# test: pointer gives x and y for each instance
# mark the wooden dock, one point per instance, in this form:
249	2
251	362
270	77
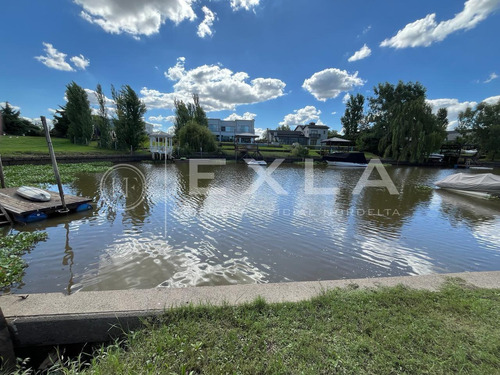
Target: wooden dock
18	207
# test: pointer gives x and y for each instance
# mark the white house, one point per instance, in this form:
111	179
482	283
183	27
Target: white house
226	131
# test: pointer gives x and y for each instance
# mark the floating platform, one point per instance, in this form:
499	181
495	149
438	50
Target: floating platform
24	210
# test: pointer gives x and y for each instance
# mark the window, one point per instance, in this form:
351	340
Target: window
222	128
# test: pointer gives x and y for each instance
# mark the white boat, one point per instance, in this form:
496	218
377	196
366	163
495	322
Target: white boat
346	159
479	185
254	162
33	194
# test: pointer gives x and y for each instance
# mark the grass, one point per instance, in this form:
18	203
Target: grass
43	175
18	146
12	248
345	331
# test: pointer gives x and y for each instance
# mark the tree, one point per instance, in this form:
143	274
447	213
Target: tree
103	122
196	137
333	133
482	126
14	124
187	112
353	116
61	123
79	114
283	127
403	122
130	127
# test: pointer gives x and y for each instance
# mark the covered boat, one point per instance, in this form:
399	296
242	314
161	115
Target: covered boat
254	162
473	184
33	194
346	159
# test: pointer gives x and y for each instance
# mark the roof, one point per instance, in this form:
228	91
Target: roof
336	139
287	133
248	135
161	135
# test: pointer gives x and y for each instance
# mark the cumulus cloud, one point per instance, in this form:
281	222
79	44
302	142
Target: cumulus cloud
302	116
205	27
133	17
54	59
245	116
425	31
453	106
329	83
244	4
364	52
14	107
80	62
491	77
346	98
161	118
218	88
108	103
492	99
57	60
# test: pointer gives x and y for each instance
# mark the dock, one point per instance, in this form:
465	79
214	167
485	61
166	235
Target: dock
20	208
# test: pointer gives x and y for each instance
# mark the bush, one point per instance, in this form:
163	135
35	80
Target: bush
299	151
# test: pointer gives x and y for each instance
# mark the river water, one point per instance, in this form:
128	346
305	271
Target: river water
147	230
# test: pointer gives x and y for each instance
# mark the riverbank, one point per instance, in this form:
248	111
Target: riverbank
387	329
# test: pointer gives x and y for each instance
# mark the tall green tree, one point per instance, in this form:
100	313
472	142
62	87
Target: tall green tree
194	137
14	124
61	123
79	114
407	128
130	127
187	112
283	127
482	126
103	121
353	116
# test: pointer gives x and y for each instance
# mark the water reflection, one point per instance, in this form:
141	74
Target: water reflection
173	239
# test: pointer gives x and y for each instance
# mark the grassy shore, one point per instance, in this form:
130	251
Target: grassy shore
348	331
19	146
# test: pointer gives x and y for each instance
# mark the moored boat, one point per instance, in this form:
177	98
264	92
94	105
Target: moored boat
481	185
254	162
346	159
33	194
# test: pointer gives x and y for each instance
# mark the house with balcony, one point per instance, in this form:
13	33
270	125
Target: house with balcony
306	135
241	131
314	133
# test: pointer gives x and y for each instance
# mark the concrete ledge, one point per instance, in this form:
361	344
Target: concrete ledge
54	318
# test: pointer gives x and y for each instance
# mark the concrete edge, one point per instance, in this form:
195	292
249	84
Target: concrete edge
54	318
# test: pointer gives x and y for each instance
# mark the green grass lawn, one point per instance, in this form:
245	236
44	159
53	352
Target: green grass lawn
18	146
345	331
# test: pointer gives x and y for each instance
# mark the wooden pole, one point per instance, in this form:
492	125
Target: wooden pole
54	163
2	178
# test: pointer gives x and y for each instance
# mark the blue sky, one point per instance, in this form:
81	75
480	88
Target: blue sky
280	62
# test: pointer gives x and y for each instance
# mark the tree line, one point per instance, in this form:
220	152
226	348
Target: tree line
400	124
126	129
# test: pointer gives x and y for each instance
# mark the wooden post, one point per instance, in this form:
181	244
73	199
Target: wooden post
54	163
2	178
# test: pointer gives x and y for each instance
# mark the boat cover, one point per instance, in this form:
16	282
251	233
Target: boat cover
484	182
347	157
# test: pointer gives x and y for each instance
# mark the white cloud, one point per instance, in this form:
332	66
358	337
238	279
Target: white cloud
161	118
218	88
245	116
492	99
425	31
303	116
491	77
134	17
205	27
259	132
329	83
244	4
346	98
453	106
80	62
364	52
54	59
